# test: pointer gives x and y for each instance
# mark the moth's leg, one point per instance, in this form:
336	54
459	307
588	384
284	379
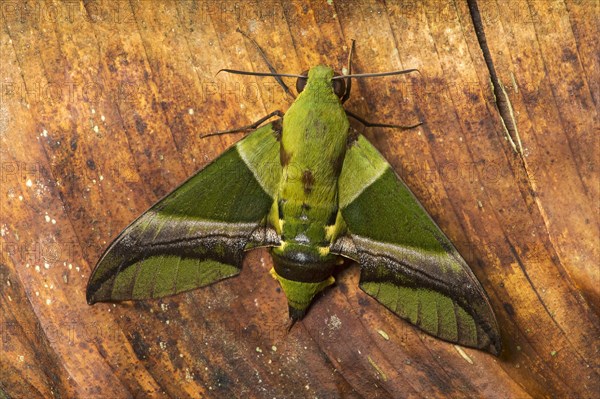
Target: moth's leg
248	127
371	124
271	67
346	95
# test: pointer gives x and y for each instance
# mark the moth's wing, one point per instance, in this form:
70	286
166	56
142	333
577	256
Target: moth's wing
197	234
407	263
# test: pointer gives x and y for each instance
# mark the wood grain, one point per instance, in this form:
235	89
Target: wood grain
101	111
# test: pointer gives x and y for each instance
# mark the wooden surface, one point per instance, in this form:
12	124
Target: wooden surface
102	108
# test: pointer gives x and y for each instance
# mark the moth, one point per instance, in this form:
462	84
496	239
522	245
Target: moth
331	195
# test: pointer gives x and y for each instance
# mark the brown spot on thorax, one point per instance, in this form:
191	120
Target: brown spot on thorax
308	180
277	128
284	156
337	163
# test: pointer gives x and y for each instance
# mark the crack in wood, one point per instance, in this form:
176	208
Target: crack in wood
502	101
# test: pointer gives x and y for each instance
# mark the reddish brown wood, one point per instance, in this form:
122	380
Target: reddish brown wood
102	108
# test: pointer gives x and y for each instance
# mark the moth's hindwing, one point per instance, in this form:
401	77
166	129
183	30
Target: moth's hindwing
407	263
197	234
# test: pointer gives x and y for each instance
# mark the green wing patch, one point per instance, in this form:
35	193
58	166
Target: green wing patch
407	263
197	234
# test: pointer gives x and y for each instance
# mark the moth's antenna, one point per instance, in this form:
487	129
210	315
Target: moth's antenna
285	75
371	75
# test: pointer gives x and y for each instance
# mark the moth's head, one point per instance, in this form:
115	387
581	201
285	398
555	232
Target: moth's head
322	74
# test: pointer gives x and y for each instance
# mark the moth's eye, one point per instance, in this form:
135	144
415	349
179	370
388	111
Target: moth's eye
301	82
339	86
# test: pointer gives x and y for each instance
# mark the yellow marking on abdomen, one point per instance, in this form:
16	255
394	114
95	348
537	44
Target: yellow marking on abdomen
324	251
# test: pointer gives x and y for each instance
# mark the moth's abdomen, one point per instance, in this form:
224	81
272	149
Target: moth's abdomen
302	273
302	262
304	236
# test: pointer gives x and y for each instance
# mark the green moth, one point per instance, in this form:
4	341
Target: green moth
331	195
